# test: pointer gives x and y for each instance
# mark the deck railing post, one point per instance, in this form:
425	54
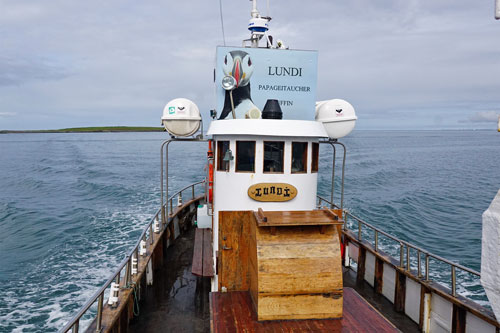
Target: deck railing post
160	225
151	234
419	264
99	313
166	183
426	267
333	175
127	273
137	256
161	184
359	230
453	281
163	219
192	191
376	241
401	255
75	327
343	176
171	207
407	257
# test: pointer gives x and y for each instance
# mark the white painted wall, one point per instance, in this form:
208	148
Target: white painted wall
389	284
441	314
370	268
473	325
230	188
353	252
412	300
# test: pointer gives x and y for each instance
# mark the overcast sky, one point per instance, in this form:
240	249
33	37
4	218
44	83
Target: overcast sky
402	64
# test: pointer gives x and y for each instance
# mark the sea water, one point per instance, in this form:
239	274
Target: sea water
73	205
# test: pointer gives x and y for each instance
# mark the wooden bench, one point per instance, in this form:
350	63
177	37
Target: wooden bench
203	262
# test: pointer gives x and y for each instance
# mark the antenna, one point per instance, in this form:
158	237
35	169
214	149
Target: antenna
222	23
258	26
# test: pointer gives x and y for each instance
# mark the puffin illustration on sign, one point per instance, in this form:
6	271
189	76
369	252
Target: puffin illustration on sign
238	64
261	74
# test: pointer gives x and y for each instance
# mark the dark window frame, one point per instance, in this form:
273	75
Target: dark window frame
220	155
264	158
304	156
315	157
236	156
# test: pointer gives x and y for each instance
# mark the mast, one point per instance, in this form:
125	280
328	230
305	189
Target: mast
497	9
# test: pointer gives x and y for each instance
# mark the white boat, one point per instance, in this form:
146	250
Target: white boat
269	254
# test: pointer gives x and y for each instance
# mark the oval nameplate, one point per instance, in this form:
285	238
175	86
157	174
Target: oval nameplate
272	192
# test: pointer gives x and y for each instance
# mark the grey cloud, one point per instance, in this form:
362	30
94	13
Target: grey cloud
16	71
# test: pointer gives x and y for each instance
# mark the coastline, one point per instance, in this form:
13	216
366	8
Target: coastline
89	130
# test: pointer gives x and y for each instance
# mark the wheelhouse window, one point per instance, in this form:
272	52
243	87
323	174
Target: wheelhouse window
299	157
222	148
315	157
245	156
273	156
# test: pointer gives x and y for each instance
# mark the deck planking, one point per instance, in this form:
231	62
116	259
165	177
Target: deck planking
233	312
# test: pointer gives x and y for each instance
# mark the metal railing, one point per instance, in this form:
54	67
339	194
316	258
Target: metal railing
405	249
334	143
164	170
147	235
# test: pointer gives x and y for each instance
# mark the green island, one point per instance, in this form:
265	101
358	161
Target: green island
91	130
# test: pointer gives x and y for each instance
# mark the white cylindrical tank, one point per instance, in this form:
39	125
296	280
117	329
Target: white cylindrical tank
338	117
181	117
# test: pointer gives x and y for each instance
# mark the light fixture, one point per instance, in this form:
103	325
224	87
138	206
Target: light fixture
228	156
229	83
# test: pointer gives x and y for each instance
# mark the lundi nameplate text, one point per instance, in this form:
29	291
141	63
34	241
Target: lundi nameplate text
272	192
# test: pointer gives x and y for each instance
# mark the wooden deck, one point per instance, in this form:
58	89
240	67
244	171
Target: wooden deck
233	312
